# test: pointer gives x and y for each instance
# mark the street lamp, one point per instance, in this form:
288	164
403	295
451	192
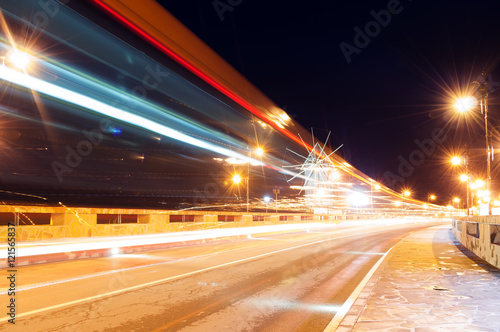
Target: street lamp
267	199
237	178
407	193
456	161
432	197
468	103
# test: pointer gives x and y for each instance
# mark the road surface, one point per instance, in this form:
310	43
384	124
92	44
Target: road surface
271	282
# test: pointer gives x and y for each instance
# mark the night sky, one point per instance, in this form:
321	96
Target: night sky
378	91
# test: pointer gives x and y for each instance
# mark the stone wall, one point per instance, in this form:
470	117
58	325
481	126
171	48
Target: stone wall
481	235
82	222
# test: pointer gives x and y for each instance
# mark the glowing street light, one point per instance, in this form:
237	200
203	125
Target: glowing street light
456	161
19	60
432	197
465	104
478	184
407	193
468	103
464	177
236	179
266	199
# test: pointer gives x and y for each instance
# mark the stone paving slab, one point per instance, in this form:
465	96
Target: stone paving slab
429	282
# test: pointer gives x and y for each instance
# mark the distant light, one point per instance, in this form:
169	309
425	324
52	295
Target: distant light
397	203
464	178
358	199
377	187
115	251
116	131
259	151
297	187
321	192
425	206
449	207
236	179
456	160
456	200
483	193
478	184
465	104
267	199
19	59
432	197
407	193
334	175
235	161
284	116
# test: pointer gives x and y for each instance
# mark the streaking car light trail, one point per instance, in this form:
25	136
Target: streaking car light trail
143	240
77	99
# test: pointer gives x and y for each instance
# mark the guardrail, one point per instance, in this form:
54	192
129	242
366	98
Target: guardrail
41	222
481	235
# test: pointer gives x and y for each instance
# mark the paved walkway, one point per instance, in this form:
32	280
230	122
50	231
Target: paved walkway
428	282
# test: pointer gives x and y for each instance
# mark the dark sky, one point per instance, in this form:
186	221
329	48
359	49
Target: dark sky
394	88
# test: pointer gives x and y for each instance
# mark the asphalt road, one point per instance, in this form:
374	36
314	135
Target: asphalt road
274	282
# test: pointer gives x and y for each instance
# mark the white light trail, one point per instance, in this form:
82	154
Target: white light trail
139	240
86	102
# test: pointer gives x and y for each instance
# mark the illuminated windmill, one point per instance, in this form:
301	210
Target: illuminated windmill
319	174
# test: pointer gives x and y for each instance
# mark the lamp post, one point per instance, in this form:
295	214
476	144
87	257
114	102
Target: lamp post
237	178
259	152
276	192
468	103
464	177
267	199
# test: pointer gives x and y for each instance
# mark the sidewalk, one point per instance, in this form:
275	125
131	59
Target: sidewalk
428	282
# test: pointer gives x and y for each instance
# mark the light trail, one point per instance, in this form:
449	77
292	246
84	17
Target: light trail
35	249
86	102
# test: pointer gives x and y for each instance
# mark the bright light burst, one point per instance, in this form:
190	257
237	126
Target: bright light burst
19	60
236	179
465	104
358	199
456	161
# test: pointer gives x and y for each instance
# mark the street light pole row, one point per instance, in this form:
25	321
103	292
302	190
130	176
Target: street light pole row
468	103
